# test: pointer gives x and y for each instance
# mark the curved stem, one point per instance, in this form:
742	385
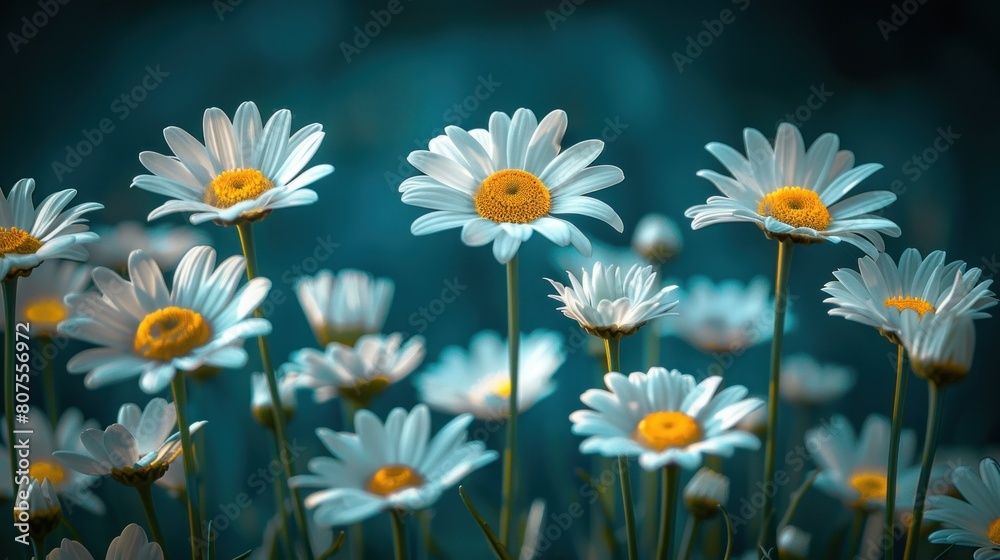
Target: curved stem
671	477
10	308
690	533
250	253
930	445
510	451
768	535
154	525
49	372
399	534
180	403
857	524
897	427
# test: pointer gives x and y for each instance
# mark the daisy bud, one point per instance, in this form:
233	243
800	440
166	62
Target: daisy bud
706	491
37	505
261	404
793	543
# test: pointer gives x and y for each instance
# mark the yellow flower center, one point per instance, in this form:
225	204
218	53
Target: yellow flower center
391	478
42	470
661	430
993	533
513	196
169	333
236	185
502	387
796	207
45	311
18	242
919	305
871	486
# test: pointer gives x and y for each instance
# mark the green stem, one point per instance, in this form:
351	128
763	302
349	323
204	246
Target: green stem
49	371
648	489
279	496
399	534
250	253
671	477
768	535
690	533
10	308
355	540
510	451
38	547
190	473
855	539
897	427
930	445
154	525
612	349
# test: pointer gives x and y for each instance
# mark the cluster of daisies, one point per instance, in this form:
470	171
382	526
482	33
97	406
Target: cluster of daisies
499	185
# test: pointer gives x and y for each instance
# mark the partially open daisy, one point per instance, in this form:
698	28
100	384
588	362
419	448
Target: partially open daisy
166	244
664	418
40	301
940	346
132	544
241	173
145	329
804	381
260	398
43	513
30	235
477	380
793	543
503	184
706	491
344	306
391	466
975	519
795	194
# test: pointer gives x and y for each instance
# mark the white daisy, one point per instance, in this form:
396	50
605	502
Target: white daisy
477	380
657	238
132	544
396	465
145	329
166	244
793	543
610	304
791	193
503	184
879	291
976	519
807	382
940	346
344	306
705	492
30	235
40	300
174	481
260	397
241	173
136	450
43	513
664	418
360	372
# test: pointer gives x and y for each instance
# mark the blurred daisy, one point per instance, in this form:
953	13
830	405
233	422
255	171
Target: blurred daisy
261	404
241	173
132	544
145	329
664	418
43	513
136	450
345	306
806	382
793	543
724	317
395	465
610	304
174	480
976	519
40	300
940	346
657	238
503	184
791	193
358	373
755	422
30	235
477	381
166	244
706	491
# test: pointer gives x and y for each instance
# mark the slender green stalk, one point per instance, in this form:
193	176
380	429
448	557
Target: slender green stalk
690	535
795	499
510	452
250	253
648	480
857	524
730	533
612	349
671	478
897	428
49	372
9	308
154	525
768	534
279	497
399	534
38	547
355	540
72	530
930	446
190	473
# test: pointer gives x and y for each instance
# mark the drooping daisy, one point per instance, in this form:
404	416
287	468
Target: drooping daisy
166	244
793	543
40	300
503	184
940	346
360	372
241	173
805	381
706	491
611	304
976	517
136	450
30	235
145	329
260	398
396	465
132	544
657	238
791	193
477	380
344	306
664	418
43	513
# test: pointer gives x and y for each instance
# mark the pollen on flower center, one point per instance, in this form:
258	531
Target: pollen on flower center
993	533
391	478
170	332
919	305
18	242
42	470
871	486
45	311
661	430
236	185
512	196
797	207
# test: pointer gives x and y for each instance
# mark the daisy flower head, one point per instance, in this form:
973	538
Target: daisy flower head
166	244
610	303
241	173
261	404
795	194
664	418
503	184
344	306
358	373
43	513
974	519
132	544
144	329
390	466
657	238
30	235
793	543
940	346
477	380
40	301
706	491
806	382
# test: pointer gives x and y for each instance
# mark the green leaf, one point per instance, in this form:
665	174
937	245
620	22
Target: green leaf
498	548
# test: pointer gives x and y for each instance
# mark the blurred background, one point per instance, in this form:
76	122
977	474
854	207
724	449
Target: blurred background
908	84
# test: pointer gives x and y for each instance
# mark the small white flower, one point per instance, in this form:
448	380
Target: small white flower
657	238
793	543
131	544
396	465
166	244
975	520
40	299
705	492
260	397
940	346
43	513
344	306
807	382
